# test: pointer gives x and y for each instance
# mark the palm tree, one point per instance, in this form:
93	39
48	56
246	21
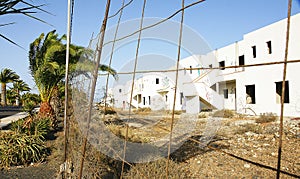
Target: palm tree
11	96
18	87
6	76
44	55
47	65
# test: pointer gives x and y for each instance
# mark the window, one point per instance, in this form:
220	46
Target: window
242	60
279	92
120	90
181	98
250	94
210	66
166	98
225	92
221	65
191	71
149	98
254	51
269	45
144	101
214	87
157	81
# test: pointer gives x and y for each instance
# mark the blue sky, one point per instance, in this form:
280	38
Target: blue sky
219	22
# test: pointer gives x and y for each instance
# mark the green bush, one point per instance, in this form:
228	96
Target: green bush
21	149
266	117
31	126
28	107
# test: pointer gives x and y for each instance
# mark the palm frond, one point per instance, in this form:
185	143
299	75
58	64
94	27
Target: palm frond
8	7
9	40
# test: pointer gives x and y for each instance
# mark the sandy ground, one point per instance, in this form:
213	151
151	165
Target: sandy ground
241	148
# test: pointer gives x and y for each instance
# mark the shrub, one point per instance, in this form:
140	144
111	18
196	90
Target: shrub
255	128
31	126
266	117
21	149
28	107
176	112
225	113
202	115
143	110
107	110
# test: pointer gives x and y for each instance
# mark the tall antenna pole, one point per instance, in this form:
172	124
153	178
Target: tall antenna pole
66	82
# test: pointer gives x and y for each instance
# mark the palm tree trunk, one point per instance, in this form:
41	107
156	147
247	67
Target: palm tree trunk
46	110
3	94
18	98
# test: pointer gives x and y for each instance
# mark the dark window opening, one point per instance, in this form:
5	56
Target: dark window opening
210	66
242	60
120	90
214	87
269	45
149	98
144	101
225	91
222	65
181	98
279	92
250	94
191	71
166	98
254	51
157	81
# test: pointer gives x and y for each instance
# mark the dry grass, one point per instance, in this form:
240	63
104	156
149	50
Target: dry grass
266	118
157	169
226	113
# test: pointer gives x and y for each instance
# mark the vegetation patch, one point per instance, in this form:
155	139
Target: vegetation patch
21	149
25	143
249	128
142	110
225	113
157	169
266	118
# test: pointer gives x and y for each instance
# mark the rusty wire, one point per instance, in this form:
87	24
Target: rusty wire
111	55
283	88
133	78
157	23
285	62
121	9
175	88
208	68
95	76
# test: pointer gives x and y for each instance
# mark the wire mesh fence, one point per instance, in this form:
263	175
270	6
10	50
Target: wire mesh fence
159	111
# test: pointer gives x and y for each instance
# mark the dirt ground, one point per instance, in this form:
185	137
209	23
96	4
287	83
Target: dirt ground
240	148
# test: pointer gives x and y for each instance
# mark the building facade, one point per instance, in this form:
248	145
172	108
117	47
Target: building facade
247	90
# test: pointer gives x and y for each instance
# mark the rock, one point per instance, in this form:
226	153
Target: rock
273	154
250	134
247	165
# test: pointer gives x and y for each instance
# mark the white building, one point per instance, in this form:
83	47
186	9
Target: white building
251	90
153	90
